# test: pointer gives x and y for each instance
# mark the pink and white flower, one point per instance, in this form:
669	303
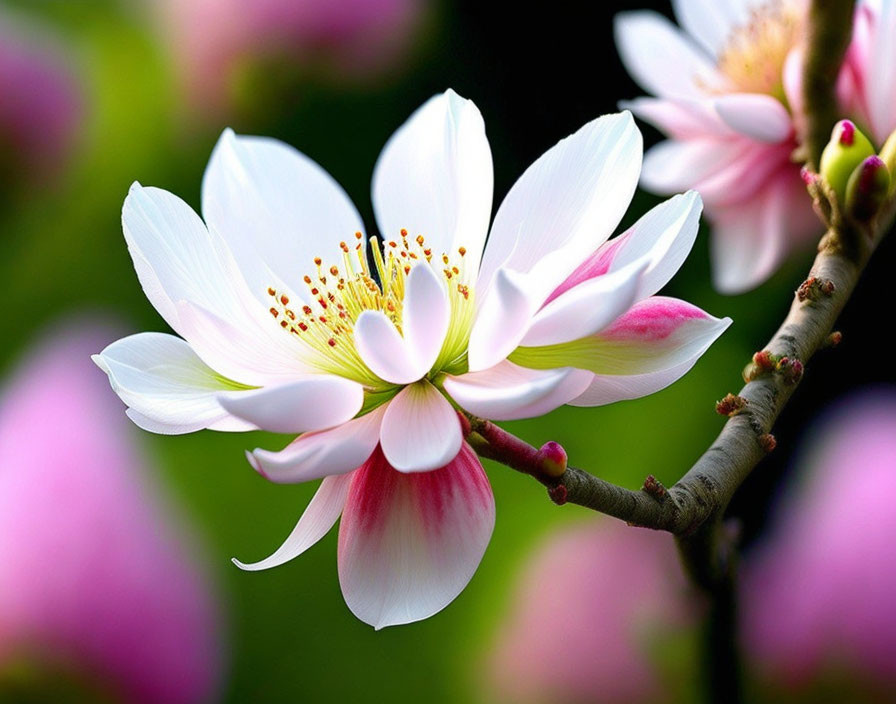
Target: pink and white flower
725	85
368	362
96	584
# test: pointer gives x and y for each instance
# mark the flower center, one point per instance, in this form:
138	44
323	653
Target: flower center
324	322
756	51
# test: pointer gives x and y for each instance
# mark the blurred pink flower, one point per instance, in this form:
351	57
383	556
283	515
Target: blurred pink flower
819	592
868	79
590	604
92	577
724	86
214	39
40	100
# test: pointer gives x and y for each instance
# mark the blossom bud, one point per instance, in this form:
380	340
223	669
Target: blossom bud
846	150
888	155
553	458
867	188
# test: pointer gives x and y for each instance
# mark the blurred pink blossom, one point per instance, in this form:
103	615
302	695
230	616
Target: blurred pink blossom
590	604
214	39
40	100
93	579
819	593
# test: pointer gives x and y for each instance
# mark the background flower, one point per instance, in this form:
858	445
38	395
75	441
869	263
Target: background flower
95	576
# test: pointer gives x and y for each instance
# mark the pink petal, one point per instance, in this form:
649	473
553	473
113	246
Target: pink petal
314	524
510	392
420	430
673	166
410	543
311	403
322	453
587	308
757	116
679	118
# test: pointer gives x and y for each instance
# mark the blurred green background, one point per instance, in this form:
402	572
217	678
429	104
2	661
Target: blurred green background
536	77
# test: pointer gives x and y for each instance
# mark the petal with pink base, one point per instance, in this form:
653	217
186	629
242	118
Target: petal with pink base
315	523
510	392
323	453
420	430
760	117
410	543
655	334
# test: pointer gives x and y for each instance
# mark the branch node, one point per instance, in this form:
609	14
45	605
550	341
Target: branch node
834	339
791	370
768	442
762	363
731	405
559	494
813	288
654	487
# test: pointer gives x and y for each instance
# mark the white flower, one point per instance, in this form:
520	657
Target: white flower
288	328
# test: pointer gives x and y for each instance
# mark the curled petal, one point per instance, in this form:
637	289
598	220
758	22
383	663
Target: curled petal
760	117
501	322
510	392
410	543
323	453
420	430
605	389
314	524
384	350
167	388
655	334
311	403
426	315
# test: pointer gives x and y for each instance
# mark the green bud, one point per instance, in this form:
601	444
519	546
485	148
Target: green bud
888	154
867	188
846	150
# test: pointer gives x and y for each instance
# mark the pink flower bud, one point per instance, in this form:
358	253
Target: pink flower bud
867	188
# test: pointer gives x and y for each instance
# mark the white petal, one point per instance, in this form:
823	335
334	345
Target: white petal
662	59
385	351
434	178
565	205
426	315
501	322
679	118
710	22
326	452
410	543
420	430
757	116
277	210
664	236
314	524
311	403
510	392
166	386
673	166
587	308
605	389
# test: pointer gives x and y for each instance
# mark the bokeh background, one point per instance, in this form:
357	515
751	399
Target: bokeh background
105	92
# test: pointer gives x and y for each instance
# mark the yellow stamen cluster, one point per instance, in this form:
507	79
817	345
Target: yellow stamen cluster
340	294
756	52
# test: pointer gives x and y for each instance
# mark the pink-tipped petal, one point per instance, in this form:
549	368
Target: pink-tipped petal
410	543
501	322
326	452
426	315
662	59
312	403
434	178
420	430
510	392
760	117
315	523
385	351
566	203
655	334
587	308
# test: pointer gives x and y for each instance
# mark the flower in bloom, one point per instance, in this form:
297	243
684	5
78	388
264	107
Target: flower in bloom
286	325
867	82
591	604
41	105
724	88
818	593
94	581
214	40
